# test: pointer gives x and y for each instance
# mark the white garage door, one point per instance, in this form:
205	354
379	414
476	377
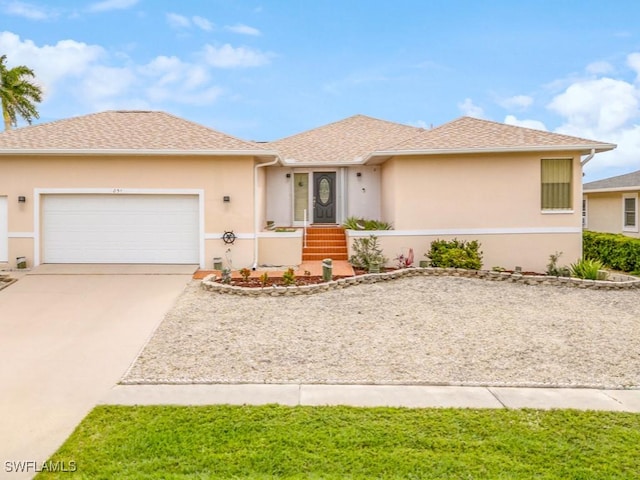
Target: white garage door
120	229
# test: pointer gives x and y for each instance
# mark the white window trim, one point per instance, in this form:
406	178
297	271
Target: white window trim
585	212
560	210
630	228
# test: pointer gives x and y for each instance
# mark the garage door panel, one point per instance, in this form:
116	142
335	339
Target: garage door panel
120	229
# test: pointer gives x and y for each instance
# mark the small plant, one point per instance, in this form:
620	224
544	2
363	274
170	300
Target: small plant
226	275
289	277
455	254
245	273
307	273
264	278
367	253
498	269
356	223
405	261
586	268
553	269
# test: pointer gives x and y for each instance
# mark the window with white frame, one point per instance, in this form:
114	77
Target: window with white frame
630	212
584	212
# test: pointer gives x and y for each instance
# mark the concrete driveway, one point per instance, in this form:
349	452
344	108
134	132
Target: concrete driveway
65	340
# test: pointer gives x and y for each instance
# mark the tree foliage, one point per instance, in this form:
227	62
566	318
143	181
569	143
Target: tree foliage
19	94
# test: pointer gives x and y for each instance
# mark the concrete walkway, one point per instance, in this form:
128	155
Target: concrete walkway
413	396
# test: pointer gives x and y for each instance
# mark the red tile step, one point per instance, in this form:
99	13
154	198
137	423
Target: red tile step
325	242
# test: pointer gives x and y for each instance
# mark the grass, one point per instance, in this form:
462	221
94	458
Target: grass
269	442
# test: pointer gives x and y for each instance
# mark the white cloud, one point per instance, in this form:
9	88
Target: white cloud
80	77
27	10
527	123
202	23
107	5
243	29
469	109
227	56
633	60
177	21
603	104
600	68
520	102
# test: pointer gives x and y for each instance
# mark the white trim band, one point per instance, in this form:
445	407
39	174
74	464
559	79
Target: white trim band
464	231
21	235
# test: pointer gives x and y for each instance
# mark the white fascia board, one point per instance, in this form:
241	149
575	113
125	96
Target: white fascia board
603	147
88	152
612	189
287	162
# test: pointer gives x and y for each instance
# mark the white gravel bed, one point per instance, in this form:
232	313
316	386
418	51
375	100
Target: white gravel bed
419	330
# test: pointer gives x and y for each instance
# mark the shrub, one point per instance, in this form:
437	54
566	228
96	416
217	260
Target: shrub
586	268
616	251
264	278
289	277
553	269
245	273
367	252
355	223
405	261
455	254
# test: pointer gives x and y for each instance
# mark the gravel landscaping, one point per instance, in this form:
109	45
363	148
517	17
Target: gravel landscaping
417	330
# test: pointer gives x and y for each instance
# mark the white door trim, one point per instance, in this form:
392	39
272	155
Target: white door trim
37	192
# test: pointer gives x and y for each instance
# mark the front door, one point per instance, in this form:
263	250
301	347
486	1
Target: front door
324	197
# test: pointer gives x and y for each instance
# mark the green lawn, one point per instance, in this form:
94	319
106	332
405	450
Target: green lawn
349	443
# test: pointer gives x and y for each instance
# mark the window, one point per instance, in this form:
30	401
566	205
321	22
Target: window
630	213
584	212
556	183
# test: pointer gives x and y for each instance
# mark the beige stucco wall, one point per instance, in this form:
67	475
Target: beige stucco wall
363	192
472	191
528	251
604	212
215	176
280	249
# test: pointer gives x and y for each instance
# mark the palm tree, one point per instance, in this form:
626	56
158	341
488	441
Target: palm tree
18	94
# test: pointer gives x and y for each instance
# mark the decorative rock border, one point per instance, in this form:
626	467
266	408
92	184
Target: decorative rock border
617	282
6	280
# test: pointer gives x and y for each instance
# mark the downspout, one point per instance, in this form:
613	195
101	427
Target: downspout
586	160
256	227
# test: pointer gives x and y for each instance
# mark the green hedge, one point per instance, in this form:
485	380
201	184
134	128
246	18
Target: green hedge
614	250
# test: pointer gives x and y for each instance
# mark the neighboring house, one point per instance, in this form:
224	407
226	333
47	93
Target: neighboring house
148	187
611	204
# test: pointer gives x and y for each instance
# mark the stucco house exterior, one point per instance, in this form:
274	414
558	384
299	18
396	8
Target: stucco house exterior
149	187
611	204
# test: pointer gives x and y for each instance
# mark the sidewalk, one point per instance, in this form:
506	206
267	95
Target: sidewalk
412	396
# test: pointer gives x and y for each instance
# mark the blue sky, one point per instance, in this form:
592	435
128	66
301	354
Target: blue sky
266	69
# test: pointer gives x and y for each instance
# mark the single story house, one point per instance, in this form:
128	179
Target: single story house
149	187
611	204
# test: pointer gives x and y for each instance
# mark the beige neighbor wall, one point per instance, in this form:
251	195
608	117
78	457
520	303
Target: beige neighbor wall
216	176
492	198
604	212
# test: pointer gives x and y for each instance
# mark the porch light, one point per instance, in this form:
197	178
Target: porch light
288	175
226	199
359	174
22	199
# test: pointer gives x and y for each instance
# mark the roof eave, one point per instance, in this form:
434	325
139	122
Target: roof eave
375	157
611	189
163	152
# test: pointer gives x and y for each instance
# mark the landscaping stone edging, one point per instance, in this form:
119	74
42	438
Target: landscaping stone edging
618	282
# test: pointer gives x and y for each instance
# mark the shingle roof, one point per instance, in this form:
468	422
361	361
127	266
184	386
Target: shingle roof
348	140
621	181
122	130
468	133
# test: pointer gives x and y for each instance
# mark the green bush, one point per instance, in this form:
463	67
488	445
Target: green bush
366	252
615	251
586	268
455	254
